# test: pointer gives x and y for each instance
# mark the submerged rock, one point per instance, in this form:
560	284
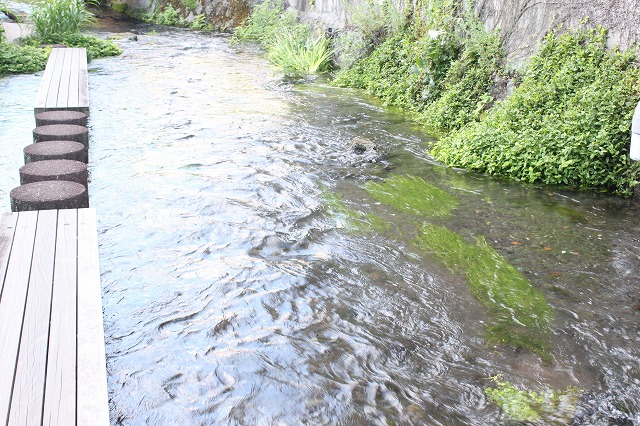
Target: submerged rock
363	150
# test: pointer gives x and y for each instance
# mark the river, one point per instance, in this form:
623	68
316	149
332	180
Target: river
257	271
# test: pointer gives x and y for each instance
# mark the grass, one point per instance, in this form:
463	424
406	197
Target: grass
290	45
55	18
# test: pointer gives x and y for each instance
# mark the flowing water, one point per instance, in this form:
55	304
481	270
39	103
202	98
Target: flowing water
256	271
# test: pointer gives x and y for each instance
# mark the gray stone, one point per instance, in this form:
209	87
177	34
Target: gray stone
47	170
55	150
49	195
61	117
62	132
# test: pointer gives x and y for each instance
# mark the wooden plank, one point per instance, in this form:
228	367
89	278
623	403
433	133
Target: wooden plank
28	387
7	228
60	390
93	405
83	95
45	82
74	81
54	87
13	304
63	90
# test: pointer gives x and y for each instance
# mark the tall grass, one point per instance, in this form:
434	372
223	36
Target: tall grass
290	45
53	19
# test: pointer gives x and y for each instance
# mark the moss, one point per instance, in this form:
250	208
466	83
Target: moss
557	407
351	219
412	195
520	315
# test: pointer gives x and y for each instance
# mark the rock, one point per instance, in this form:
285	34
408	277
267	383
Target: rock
360	146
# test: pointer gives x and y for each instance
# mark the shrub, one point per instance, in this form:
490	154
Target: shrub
200	23
168	16
21	59
568	123
54	18
267	20
96	47
464	94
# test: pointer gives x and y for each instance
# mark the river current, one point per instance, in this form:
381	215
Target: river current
237	289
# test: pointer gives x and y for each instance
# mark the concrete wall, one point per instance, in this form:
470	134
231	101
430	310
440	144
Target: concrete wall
522	23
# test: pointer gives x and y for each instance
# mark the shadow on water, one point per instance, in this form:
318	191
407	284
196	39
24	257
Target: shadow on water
255	271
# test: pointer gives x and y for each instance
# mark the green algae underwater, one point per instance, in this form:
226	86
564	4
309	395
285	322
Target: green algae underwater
519	315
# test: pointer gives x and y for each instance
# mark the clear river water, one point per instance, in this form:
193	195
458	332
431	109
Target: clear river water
256	271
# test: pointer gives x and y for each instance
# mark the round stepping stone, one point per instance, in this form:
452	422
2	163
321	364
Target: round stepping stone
69	170
62	132
49	195
55	150
61	117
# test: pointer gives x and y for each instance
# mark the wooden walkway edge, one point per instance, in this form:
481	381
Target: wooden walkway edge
52	358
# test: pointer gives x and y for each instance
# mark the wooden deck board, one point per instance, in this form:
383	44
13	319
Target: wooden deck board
60	401
14	295
53	368
54	87
45	82
83	89
65	82
91	353
27	398
65	78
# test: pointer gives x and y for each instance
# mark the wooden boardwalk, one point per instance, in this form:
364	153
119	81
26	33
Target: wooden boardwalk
65	82
52	359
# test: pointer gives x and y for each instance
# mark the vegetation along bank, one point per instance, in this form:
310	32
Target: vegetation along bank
561	117
54	22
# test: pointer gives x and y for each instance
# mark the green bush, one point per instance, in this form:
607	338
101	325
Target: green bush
464	94
22	59
200	23
168	16
568	123
96	47
390	71
266	21
54	18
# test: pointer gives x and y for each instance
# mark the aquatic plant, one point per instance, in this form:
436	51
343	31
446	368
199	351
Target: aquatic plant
289	44
299	57
350	219
568	123
520	315
55	18
412	195
547	407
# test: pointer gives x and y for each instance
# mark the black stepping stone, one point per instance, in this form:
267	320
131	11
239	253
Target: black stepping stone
49	195
55	150
61	117
62	132
68	170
